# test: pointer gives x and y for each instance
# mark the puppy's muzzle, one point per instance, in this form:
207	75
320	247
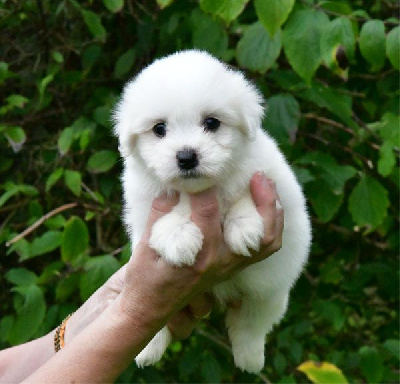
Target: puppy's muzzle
187	159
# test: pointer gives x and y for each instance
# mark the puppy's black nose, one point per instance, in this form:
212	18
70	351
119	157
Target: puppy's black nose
187	159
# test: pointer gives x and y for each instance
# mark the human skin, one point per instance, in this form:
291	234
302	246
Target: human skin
112	327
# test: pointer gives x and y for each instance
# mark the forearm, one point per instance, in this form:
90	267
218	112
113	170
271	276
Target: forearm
103	351
19	362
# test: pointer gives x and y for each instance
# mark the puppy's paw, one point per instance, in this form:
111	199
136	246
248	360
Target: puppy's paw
243	231
249	357
155	349
176	239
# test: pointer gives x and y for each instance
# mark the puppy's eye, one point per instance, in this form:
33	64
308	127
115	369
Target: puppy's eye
160	129
211	124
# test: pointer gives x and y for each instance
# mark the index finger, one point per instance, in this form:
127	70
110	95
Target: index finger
161	206
205	212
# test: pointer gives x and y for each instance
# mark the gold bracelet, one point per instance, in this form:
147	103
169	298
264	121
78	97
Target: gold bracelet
59	335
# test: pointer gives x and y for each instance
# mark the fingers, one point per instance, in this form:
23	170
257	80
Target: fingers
183	323
201	306
268	205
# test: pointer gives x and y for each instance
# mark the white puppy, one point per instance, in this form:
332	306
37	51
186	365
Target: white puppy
188	122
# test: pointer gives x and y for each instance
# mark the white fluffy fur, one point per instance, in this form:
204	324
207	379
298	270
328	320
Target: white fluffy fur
182	90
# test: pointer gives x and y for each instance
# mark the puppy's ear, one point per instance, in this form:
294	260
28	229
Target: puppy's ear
122	130
126	145
251	109
249	104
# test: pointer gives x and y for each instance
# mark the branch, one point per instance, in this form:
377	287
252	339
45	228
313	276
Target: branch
40	222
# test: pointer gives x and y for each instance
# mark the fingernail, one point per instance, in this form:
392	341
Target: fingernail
271	184
262	178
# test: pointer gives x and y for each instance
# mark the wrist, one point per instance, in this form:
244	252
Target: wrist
139	314
86	314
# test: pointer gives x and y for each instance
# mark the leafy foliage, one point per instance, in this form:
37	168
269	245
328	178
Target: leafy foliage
329	73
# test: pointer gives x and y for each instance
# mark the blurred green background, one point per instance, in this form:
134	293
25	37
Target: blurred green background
329	71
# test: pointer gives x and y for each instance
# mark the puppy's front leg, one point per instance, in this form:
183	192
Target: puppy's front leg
243	226
175	237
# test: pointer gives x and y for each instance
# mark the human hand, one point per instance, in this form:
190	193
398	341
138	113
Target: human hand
174	287
214	263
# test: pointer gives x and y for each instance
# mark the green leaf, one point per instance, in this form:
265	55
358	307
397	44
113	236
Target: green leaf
393	47
93	22
114	6
22	247
371	364
190	361
331	312
388	128
73	180
227	10
303	175
257	50
280	363
14	189
164	3
208	34
48	242
124	63
74	240
102	115
372	43
329	98
273	13
55	222
322	373
301	41
5	73
323	200
91	55
51	272
338	7
102	161
368	203
210	369
282	116
29	316
296	351
328	169
393	346
57	57
6	324
98	270
65	140
331	273
21	276
68	286
53	178
17	101
43	85
387	159
16	137
338	33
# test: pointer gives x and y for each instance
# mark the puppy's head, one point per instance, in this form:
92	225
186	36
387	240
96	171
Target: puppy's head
187	117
